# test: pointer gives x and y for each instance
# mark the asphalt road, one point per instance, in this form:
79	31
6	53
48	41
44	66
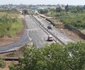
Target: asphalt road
11	47
63	37
37	35
33	33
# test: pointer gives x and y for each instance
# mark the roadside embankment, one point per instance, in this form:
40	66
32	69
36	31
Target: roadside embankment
15	33
72	31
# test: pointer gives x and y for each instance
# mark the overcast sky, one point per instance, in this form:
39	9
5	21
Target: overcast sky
71	2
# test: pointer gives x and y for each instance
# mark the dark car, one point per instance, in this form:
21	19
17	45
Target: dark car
49	27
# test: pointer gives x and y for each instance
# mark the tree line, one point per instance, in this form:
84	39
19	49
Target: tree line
53	57
71	16
8	10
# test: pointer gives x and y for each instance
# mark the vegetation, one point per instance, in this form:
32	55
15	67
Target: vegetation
25	12
71	16
8	10
9	26
43	11
53	57
1	63
75	20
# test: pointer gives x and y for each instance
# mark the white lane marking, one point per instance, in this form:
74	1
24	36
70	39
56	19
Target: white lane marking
29	36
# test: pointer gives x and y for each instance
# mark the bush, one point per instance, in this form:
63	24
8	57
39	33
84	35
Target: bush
43	11
53	57
7	24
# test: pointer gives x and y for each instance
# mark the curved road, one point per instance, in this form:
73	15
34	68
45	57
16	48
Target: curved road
11	47
33	33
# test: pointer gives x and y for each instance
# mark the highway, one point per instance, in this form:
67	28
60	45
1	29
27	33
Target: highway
36	32
61	36
33	33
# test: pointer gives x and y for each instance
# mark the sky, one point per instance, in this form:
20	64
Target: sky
70	2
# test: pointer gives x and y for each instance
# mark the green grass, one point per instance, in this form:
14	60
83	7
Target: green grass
16	27
52	14
76	20
10	24
9	14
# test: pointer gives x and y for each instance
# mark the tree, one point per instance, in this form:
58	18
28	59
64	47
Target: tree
53	57
76	56
84	7
1	63
25	12
46	58
59	9
43	11
73	9
66	8
79	9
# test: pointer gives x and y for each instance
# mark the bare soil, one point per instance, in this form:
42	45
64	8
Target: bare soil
17	53
7	40
71	35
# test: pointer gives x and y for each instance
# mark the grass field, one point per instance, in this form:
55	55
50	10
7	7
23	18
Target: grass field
9	14
10	24
16	27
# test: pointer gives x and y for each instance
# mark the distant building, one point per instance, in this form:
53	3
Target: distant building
35	8
38	7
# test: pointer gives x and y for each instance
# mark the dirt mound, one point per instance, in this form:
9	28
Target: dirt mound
6	40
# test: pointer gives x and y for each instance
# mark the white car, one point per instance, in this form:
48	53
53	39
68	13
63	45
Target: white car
50	38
